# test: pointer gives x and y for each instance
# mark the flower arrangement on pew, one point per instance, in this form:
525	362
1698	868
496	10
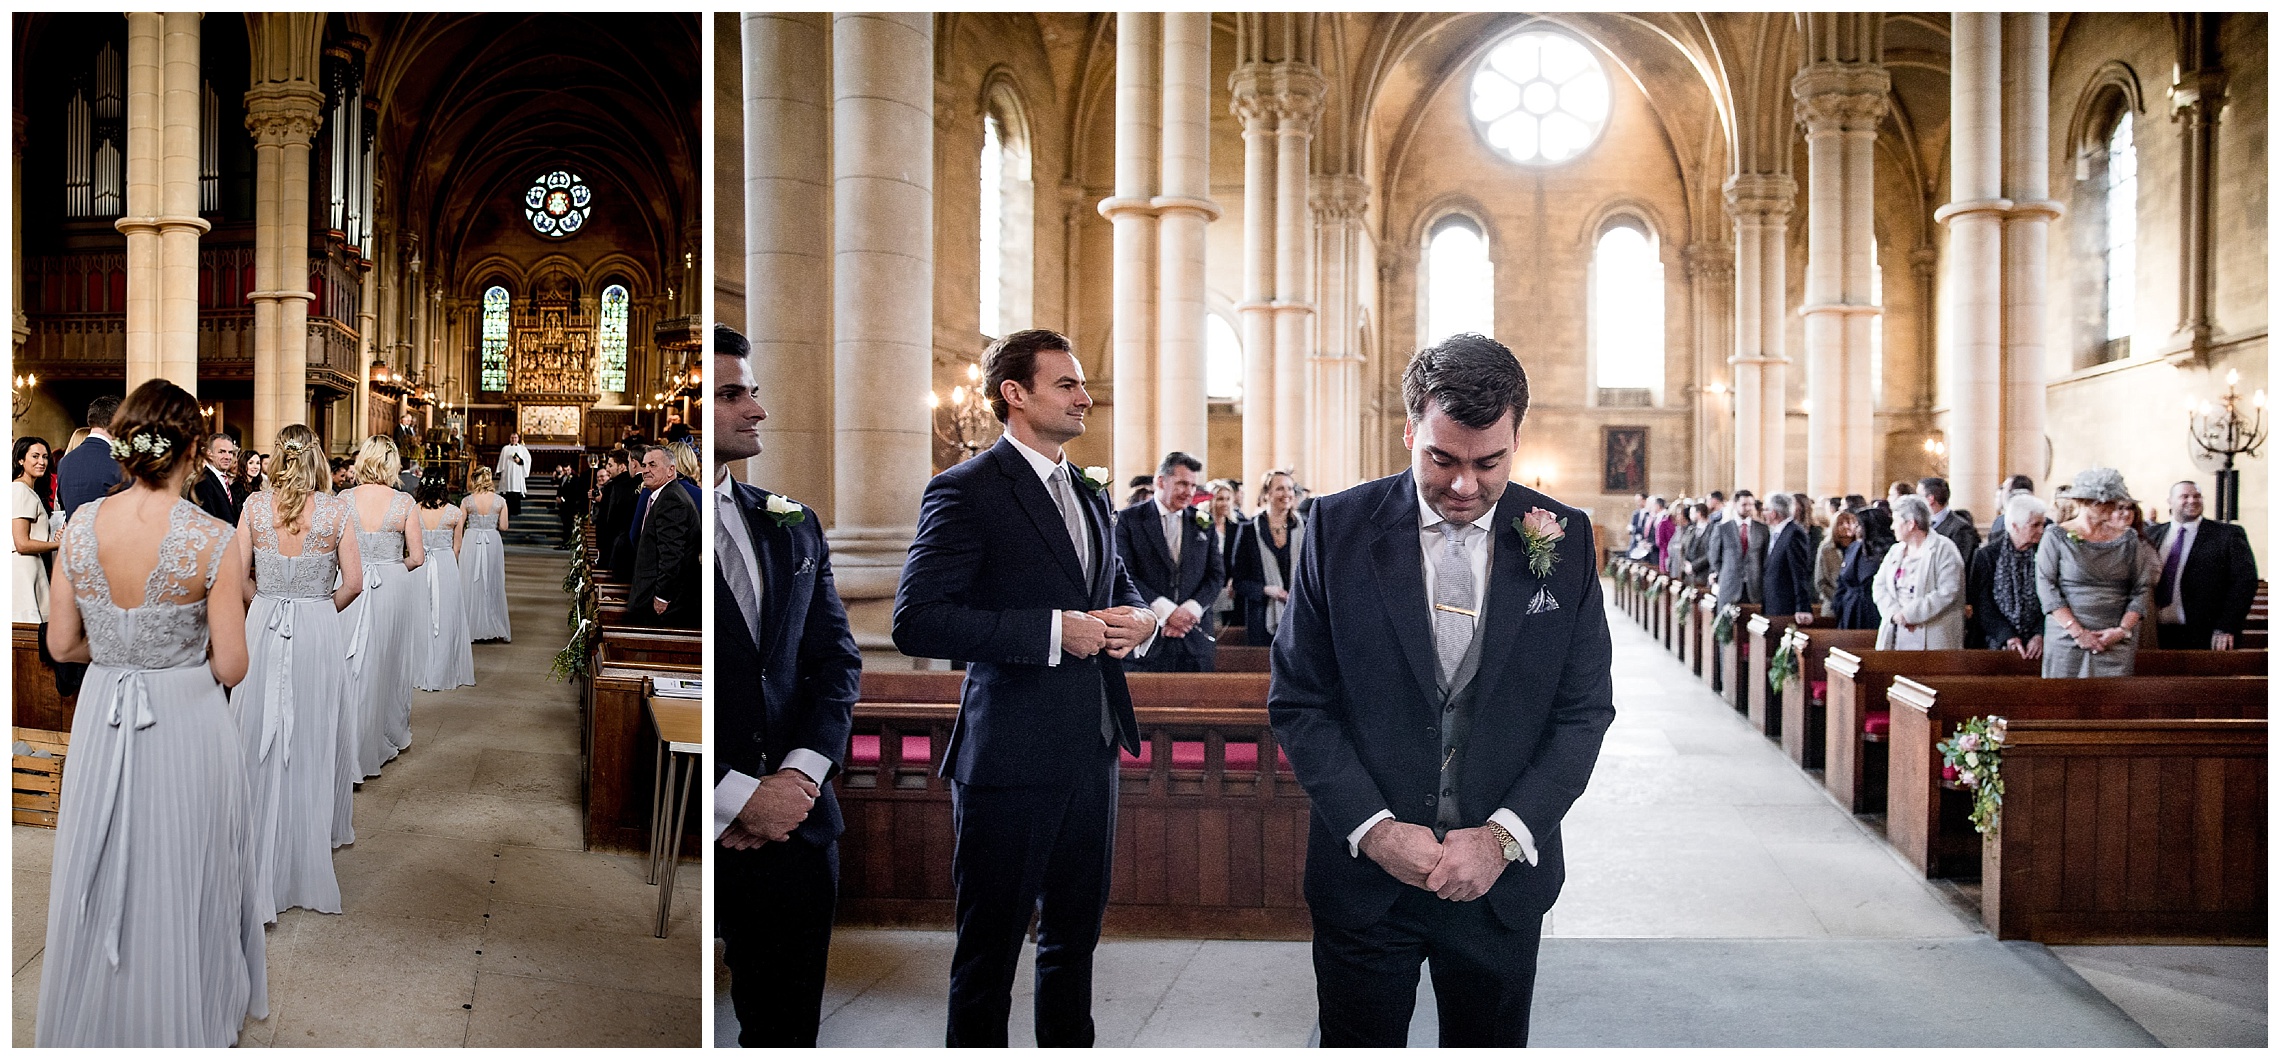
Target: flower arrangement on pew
1972	760
1723	632
585	607
1782	667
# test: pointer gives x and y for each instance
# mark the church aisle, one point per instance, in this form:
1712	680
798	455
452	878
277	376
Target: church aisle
472	915
1716	897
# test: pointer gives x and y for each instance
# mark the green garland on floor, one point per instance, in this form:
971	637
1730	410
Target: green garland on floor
1782	667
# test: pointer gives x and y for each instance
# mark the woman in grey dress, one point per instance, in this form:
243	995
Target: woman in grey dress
153	934
302	568
484	560
386	623
2095	576
448	661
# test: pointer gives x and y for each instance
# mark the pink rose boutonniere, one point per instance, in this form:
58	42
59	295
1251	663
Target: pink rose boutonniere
1541	531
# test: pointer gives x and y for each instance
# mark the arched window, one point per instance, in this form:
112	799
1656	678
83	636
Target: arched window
1875	328
1008	208
1539	98
1458	282
2121	230
495	338
614	304
1222	359
1627	315
2101	249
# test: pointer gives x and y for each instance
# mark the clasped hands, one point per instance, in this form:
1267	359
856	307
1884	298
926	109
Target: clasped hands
778	805
1115	630
1460	868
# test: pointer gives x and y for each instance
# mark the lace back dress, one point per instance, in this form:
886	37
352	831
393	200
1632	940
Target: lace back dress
153	934
290	705
484	563
449	659
387	625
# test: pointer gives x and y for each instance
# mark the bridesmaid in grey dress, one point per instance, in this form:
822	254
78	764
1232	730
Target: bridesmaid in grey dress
447	659
2095	576
386	622
153	935
293	541
485	560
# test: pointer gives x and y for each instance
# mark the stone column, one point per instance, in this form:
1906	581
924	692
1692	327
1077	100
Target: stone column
1297	99
1183	207
787	249
367	344
1760	204
1132	217
1971	309
145	137
1839	104
1710	275
2197	99
882	163
1256	312
2026	258
180	227
283	110
1334	414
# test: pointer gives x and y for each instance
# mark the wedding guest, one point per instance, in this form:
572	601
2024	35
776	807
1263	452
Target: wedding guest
1919	587
1665	526
613	513
387	619
89	470
31	531
1895	491
483	560
2005	601
1855	599
2208	575
1226	525
447	658
1264	550
300	567
1143	489
1737	554
1694	546
343	473
219	491
153	932
1788	572
1829	561
2096	579
1642	519
1809	519
665	587
2014	484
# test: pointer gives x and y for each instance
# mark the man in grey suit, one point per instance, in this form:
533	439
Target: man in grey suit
1737	554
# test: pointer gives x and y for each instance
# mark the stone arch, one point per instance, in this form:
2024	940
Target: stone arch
2112	88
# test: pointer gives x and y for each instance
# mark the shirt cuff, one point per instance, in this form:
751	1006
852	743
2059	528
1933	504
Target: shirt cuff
729	797
1162	606
1151	641
1053	639
1194	610
814	764
1511	823
1354	838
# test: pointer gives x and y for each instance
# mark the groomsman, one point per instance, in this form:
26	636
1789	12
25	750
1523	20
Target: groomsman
2208	576
1441	683
89	470
787	677
1167	548
1015	572
213	490
1788	581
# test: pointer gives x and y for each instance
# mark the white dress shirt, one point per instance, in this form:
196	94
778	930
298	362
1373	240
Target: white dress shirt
1478	550
735	789
1044	466
2174	614
1163	606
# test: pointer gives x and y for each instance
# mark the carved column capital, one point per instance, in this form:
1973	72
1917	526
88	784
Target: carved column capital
1841	97
1760	197
1708	262
1272	95
284	113
1340	198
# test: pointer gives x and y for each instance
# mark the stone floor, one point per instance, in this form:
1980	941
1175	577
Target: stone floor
1715	896
472	916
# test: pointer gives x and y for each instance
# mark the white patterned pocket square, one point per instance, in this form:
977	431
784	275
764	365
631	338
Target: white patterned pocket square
807	566
1543	602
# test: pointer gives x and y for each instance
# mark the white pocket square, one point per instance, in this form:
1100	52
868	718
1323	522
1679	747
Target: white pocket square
1543	602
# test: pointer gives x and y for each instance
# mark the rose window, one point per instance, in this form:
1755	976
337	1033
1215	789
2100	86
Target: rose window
558	204
1540	98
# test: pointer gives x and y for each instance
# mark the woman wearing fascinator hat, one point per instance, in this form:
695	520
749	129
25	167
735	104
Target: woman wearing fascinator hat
2095	576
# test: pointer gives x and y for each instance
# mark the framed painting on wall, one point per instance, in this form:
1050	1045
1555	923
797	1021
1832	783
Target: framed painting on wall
1625	456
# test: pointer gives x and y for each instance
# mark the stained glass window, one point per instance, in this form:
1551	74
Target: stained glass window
495	339
613	338
1540	98
558	204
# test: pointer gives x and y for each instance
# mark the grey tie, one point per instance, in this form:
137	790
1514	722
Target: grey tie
740	585
1172	536
1453	610
1073	518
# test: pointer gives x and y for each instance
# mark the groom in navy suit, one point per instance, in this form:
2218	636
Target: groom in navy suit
1441	684
787	677
1177	585
1014	571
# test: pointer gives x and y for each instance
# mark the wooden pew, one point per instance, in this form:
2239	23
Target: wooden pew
1765	633
618	778
1734	661
1240	658
1685	641
1712	660
1804	699
37	704
1208	844
1925	822
2116	832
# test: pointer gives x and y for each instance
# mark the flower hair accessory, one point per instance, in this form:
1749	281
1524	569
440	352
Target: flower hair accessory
291	448
1540	532
143	441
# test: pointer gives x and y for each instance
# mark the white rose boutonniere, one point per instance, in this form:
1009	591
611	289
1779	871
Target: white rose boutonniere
1540	532
1096	477
785	511
1202	519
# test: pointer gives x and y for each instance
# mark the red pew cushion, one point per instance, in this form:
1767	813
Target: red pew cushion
1188	754
1878	724
1819	690
865	750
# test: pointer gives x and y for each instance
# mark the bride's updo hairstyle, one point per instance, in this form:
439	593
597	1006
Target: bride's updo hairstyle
155	431
377	463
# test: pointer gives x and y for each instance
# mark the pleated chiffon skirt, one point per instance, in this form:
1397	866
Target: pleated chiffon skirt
289	729
387	629
153	856
483	561
448	659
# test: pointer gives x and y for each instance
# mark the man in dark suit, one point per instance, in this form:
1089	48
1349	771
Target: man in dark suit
1436	613
1178	585
89	470
788	675
664	590
1737	554
1788	579
613	513
2208	575
1014	571
1955	524
213	490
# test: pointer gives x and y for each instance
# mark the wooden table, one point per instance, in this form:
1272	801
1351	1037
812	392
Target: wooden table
680	725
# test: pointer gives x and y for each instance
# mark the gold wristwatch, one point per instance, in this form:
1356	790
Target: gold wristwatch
1512	851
